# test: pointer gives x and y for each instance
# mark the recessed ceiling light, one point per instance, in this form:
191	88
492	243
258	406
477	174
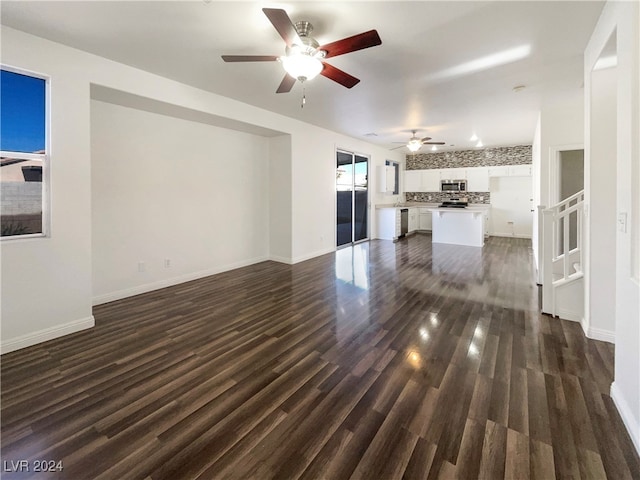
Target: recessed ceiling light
434	148
518	88
473	138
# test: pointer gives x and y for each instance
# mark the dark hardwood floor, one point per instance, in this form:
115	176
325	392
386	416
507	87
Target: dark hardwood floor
381	361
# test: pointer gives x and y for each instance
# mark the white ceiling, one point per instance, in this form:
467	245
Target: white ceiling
422	77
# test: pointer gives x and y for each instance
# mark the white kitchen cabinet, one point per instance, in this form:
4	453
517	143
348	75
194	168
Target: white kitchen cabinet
520	170
388	222
430	180
413	181
453	174
424	219
487	220
478	179
387	179
413	219
510	171
499	171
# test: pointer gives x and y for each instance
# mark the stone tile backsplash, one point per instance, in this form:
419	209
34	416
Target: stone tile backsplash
484	157
439	197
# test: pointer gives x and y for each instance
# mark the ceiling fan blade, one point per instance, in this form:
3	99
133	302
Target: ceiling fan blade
398	147
339	76
425	139
287	84
250	58
433	143
352	44
283	24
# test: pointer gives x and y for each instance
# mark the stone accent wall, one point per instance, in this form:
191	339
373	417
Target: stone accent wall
485	157
439	197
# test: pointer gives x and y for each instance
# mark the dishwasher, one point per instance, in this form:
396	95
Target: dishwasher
404	221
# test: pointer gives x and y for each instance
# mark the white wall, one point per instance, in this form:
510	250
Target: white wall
511	207
600	266
167	188
623	18
536	160
47	283
561	125
280	193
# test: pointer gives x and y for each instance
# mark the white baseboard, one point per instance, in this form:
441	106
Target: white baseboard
598	333
570	315
47	334
168	282
309	256
508	235
302	258
276	258
629	420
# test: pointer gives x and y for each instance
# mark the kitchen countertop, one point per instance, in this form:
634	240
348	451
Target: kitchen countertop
433	206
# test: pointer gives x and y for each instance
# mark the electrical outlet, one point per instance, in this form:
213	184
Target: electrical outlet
141	267
167	263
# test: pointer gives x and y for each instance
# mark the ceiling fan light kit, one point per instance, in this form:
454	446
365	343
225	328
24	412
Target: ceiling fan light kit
301	65
304	57
414	144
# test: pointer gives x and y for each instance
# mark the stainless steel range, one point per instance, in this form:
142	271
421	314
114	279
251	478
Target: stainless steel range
455	203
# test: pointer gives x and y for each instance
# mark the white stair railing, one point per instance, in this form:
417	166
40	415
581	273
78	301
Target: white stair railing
561	251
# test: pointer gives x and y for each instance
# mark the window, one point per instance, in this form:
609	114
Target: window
396	175
23	154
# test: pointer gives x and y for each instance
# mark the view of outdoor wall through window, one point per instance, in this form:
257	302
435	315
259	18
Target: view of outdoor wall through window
22	153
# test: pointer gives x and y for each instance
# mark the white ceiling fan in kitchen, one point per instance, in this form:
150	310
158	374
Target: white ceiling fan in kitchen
414	144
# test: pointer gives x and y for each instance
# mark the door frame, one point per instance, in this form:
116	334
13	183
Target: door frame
555	170
353	153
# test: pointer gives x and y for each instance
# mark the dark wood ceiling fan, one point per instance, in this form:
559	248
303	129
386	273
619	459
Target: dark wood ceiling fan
301	47
415	143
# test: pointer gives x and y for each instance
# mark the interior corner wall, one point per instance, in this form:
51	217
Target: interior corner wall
280	197
314	187
561	124
601	201
46	282
623	20
536	147
174	198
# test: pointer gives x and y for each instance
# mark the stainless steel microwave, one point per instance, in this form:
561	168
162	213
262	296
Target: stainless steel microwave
453	185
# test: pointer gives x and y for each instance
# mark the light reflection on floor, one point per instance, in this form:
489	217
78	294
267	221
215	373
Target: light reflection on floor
352	265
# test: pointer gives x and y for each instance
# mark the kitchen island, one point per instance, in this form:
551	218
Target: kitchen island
458	226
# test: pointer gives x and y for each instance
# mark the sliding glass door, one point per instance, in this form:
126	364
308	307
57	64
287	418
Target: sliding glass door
352	198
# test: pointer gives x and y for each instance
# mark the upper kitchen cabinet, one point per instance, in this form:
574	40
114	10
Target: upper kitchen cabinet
478	179
422	180
430	180
520	170
413	181
453	174
499	171
388	175
510	171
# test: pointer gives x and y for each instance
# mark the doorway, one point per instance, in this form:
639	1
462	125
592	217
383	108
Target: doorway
352	198
570	180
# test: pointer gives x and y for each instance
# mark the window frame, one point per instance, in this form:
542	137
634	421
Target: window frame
44	158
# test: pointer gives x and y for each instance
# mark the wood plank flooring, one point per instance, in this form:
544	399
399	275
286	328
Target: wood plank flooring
382	361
